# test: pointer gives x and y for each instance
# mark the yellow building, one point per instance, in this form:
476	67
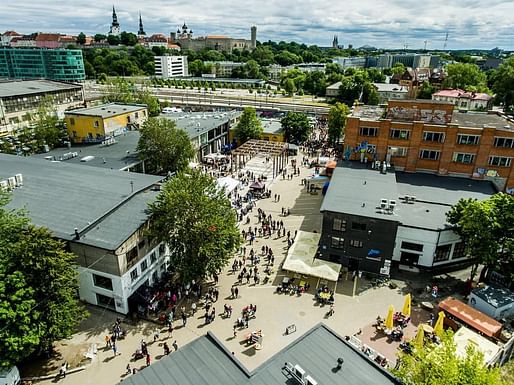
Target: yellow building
95	124
271	131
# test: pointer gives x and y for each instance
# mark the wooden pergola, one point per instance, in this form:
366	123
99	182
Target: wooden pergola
277	151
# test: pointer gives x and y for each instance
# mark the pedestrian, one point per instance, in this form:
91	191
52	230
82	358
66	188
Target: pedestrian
156	335
232	292
170	330
236	292
129	369
175	345
166	348
63	369
148	359
235	331
114	350
107	341
184	319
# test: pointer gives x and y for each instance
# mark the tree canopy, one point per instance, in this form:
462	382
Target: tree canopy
504	84
434	364
337	122
122	91
38	286
297	127
164	147
465	76
81	38
195	218
249	126
487	229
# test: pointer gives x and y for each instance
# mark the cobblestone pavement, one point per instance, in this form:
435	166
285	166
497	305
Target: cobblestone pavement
274	311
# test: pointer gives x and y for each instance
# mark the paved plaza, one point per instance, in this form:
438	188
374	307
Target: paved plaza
274	311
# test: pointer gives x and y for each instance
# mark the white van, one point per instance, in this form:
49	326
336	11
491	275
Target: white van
10	376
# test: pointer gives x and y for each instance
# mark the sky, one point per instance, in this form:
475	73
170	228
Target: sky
481	24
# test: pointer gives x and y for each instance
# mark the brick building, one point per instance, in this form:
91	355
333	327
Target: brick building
429	136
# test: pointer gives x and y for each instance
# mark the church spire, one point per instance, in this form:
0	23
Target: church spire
141	31
114	18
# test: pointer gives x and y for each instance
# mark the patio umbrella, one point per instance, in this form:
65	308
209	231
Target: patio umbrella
420	335
407	306
389	319
438	328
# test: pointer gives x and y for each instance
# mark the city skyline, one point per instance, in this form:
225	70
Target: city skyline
392	24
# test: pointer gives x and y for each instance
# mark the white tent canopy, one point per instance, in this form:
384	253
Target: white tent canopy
229	183
301	258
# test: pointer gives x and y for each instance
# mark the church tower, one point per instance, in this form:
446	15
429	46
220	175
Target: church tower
335	42
115	26
141	33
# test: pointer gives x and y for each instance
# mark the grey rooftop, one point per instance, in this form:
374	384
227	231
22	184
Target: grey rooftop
11	88
106	206
481	120
205	361
495	296
198	123
357	189
107	110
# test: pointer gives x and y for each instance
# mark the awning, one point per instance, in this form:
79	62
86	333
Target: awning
257	185
301	258
229	183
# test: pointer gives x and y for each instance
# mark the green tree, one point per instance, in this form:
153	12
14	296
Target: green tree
337	122
315	83
128	39
249	126
196	68
113	40
81	38
38	286
433	364
425	91
297	127
195	218
465	76
398	68
164	147
289	86
47	126
487	229
370	94
504	84
99	37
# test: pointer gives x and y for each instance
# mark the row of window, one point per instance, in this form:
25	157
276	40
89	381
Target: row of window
134	274
434	136
338	243
442	252
340	225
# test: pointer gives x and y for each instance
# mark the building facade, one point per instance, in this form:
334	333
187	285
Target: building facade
96	124
429	136
223	69
171	66
20	99
469	101
65	65
408	60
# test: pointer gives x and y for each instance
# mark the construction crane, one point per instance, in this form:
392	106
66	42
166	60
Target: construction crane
445	42
426	42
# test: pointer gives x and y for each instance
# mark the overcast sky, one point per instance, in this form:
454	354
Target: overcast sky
387	24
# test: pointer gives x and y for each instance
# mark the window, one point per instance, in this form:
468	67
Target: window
337	242
433	136
162	248
468	139
459	250
103	300
355	243
137	115
72	121
368	131
429	154
358	226
339	225
153	257
144	265
504	142
141	244
501	161
397	151
132	255
442	253
412	246
463	158
134	275
399	134
96	124
103	282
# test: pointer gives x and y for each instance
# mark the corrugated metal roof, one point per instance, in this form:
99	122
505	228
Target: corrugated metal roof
31	87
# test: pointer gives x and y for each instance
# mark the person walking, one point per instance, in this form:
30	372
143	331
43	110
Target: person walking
166	348
148	359
175	345
129	369
108	341
114	350
193	308
235	331
184	319
236	292
170	330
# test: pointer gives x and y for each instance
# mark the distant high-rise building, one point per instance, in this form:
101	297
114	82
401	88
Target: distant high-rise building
141	33
115	26
38	63
171	66
253	37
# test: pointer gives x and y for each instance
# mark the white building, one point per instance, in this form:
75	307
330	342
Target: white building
171	66
463	100
387	91
350	62
101	214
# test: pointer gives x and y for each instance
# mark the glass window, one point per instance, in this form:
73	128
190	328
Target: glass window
134	274
397	151
433	136
337	242
144	265
442	253
399	134
339	225
412	246
355	243
103	300
468	139
463	158
504	142
72	121
141	244
459	250
153	257
501	161
368	131
358	226
429	154
96	124
103	282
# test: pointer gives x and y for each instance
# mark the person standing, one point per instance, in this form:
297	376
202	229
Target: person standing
114	350
184	319
166	348
236	291
193	308
108	341
148	359
175	345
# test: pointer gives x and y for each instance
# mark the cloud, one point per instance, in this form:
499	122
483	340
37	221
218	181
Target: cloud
391	24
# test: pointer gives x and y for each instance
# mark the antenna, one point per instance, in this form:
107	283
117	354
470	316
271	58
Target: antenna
426	42
445	41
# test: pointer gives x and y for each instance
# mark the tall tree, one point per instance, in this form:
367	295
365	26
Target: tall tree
465	76
128	38
195	218
99	37
433	364
164	147
81	38
38	286
487	229
337	122
46	124
504	84
249	126
297	127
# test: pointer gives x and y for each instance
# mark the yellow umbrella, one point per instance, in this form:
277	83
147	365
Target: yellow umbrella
407	306
389	319
438	328
420	336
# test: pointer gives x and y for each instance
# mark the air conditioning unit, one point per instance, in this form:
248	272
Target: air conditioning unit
392	204
19	179
12	182
383	203
4	185
413	198
310	381
299	372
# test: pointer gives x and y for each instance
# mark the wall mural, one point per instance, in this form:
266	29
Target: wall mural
425	115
